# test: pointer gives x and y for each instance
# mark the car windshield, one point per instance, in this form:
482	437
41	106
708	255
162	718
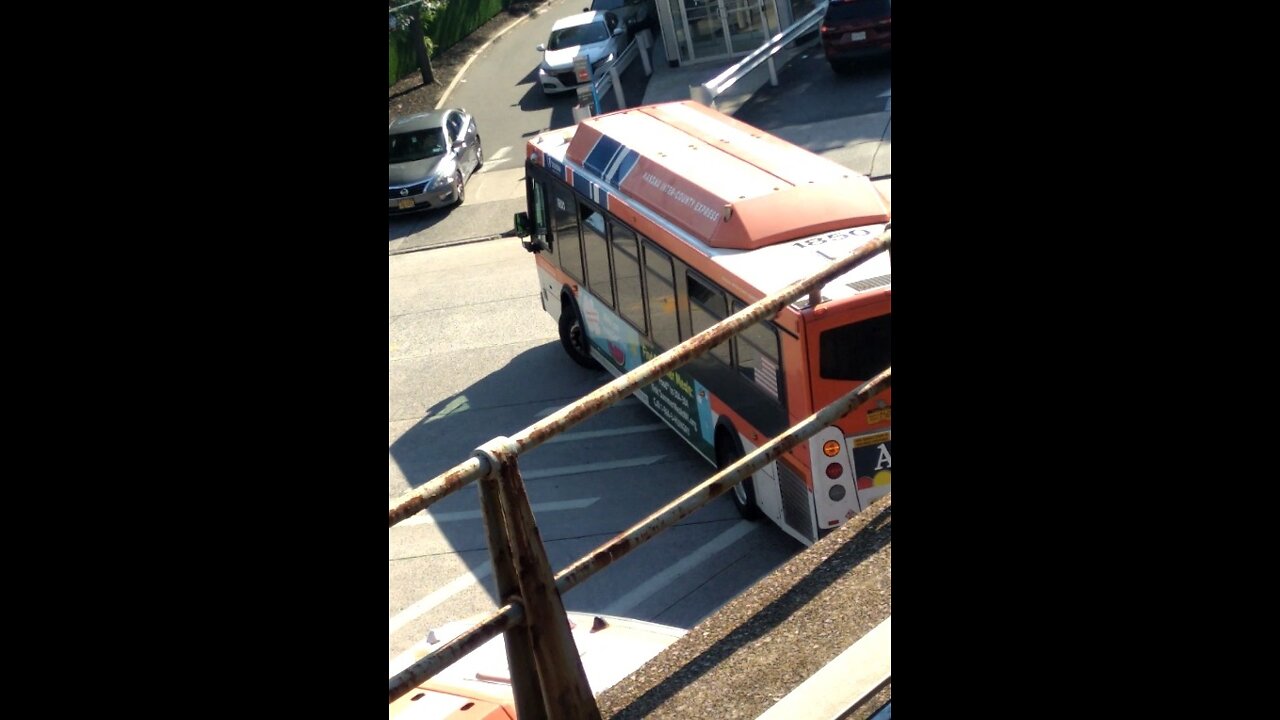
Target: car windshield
607	4
577	35
417	145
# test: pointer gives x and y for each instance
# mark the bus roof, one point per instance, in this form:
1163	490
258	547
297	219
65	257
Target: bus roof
728	184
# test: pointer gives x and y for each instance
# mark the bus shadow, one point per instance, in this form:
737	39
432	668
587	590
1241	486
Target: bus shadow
451	429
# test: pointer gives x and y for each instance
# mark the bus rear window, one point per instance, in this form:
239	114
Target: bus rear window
857	351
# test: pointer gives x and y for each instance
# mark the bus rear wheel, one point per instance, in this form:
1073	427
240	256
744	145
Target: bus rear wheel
744	493
573	336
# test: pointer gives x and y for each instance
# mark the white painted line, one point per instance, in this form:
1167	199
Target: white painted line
455	586
886	93
475	55
501	154
589	434
625	604
590	467
547	411
423	519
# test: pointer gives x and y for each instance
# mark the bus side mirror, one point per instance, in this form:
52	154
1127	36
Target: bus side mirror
521	222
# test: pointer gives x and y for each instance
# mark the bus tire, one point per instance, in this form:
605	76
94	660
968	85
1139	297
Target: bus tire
744	493
573	335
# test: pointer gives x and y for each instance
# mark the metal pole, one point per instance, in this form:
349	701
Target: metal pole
617	85
520	657
565	689
646	41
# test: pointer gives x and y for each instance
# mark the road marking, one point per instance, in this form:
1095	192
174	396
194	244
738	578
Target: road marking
501	154
547	411
458	404
625	604
455	586
589	434
590	467
423	519
475	55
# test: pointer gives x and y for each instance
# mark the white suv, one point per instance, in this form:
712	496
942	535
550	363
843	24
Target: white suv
598	34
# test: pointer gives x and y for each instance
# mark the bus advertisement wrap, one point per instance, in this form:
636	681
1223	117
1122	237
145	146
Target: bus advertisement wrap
680	400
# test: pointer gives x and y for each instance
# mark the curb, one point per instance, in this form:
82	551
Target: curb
452	243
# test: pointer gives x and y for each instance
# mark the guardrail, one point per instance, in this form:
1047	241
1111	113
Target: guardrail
707	92
546	671
609	76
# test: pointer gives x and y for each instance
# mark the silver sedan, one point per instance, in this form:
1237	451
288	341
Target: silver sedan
431	156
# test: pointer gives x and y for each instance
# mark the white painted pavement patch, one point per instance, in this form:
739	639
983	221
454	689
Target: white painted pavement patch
455	586
497	185
424	519
625	604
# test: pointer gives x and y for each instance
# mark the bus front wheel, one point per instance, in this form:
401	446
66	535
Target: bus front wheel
573	336
744	493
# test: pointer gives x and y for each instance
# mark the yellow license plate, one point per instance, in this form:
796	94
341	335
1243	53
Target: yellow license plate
406	203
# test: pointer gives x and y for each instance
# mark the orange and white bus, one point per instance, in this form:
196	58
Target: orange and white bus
652	224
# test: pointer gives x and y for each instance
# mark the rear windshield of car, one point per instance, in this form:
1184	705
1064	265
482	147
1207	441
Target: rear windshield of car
577	35
418	145
607	4
859	10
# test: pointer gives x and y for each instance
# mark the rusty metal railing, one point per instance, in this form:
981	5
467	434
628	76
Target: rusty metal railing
546	672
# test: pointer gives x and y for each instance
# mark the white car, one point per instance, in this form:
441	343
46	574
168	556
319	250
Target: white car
598	34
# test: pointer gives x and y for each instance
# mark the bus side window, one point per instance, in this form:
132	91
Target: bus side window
757	353
660	277
540	216
706	308
565	214
626	266
596	246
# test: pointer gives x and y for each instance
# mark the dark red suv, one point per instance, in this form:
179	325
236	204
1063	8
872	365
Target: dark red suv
855	29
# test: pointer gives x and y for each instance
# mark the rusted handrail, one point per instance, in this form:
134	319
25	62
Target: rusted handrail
534	435
515	545
510	615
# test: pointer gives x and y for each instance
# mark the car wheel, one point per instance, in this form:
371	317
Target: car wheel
573	335
479	154
744	493
462	188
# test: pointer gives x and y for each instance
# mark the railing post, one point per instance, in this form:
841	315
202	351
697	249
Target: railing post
773	73
520	658
565	690
646	42
701	94
617	85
